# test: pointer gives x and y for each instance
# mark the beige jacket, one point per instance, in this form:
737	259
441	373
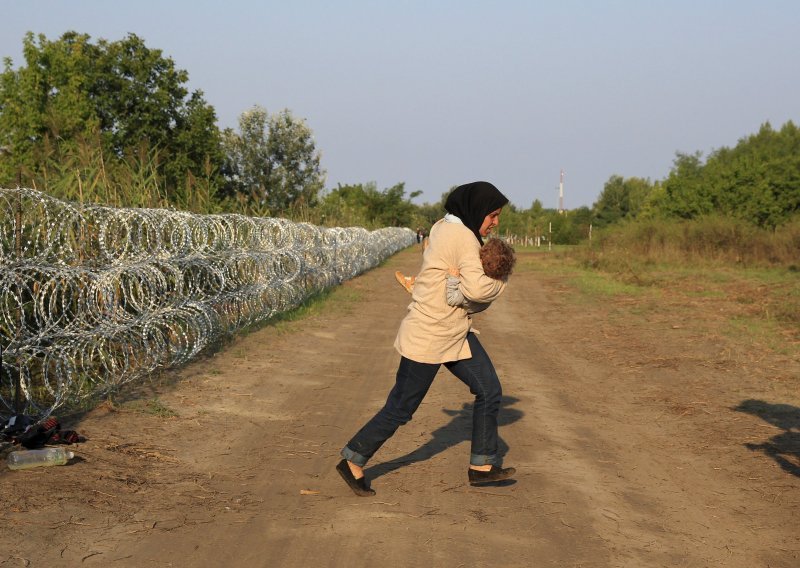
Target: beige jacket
432	331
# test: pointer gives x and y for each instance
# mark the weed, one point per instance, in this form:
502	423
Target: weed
595	284
153	406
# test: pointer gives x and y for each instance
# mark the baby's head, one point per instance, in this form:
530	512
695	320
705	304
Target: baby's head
498	259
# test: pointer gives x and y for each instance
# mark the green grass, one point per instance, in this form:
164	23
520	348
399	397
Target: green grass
597	285
760	331
151	406
753	306
339	300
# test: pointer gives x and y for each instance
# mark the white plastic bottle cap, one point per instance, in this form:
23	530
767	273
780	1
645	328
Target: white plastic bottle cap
70	455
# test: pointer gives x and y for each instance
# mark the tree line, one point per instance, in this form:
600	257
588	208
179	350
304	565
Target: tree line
756	182
114	122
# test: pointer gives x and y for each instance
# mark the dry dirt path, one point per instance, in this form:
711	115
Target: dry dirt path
629	433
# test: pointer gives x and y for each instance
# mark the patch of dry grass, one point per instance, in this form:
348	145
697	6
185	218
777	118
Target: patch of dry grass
750	306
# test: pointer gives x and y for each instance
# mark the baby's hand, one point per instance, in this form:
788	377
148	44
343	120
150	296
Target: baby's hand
454	272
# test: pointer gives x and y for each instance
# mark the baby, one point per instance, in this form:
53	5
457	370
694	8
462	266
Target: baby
498	260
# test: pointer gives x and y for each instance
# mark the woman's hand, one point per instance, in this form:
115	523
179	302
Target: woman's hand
454	272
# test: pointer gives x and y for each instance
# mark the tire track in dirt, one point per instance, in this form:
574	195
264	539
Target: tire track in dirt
650	501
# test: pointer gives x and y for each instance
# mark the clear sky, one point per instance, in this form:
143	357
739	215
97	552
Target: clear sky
438	93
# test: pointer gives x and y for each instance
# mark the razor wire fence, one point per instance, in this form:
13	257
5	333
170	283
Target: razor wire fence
93	297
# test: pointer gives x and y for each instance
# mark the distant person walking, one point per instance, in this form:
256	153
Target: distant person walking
434	334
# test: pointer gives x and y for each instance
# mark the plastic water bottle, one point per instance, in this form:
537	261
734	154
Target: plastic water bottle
25	459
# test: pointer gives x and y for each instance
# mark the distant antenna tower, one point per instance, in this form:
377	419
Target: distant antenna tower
561	193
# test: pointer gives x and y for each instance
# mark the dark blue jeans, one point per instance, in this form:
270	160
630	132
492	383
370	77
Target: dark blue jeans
412	384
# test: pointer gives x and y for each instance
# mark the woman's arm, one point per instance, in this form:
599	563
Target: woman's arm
456	299
475	285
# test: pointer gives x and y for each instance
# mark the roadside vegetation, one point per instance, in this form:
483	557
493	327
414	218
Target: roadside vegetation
757	306
113	122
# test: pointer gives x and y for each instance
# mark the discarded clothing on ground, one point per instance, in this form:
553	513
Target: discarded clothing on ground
26	431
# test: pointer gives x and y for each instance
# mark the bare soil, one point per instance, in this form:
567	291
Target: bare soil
642	436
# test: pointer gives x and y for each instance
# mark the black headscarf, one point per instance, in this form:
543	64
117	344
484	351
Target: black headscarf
472	202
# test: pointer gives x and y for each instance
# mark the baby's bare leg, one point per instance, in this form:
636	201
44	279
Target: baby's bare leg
406	282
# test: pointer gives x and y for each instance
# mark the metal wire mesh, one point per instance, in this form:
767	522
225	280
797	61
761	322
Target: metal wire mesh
92	297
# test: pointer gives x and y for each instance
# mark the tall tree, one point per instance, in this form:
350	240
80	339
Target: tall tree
684	187
757	181
272	160
364	203
621	198
247	165
119	95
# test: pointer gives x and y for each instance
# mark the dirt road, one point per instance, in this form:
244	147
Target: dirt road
640	439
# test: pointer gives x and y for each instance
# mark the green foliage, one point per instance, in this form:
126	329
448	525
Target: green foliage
711	239
685	197
565	228
621	199
365	205
272	164
757	181
575	226
113	122
427	214
99	105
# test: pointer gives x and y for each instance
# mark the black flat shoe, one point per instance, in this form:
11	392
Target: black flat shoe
494	474
359	486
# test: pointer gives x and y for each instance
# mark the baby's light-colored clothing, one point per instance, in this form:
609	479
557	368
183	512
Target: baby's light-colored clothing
456	298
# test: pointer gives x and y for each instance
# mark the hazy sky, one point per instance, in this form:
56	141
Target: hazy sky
438	93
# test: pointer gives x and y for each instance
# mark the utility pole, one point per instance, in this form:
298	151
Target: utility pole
561	193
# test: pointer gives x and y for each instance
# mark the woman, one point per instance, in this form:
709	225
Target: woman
434	334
